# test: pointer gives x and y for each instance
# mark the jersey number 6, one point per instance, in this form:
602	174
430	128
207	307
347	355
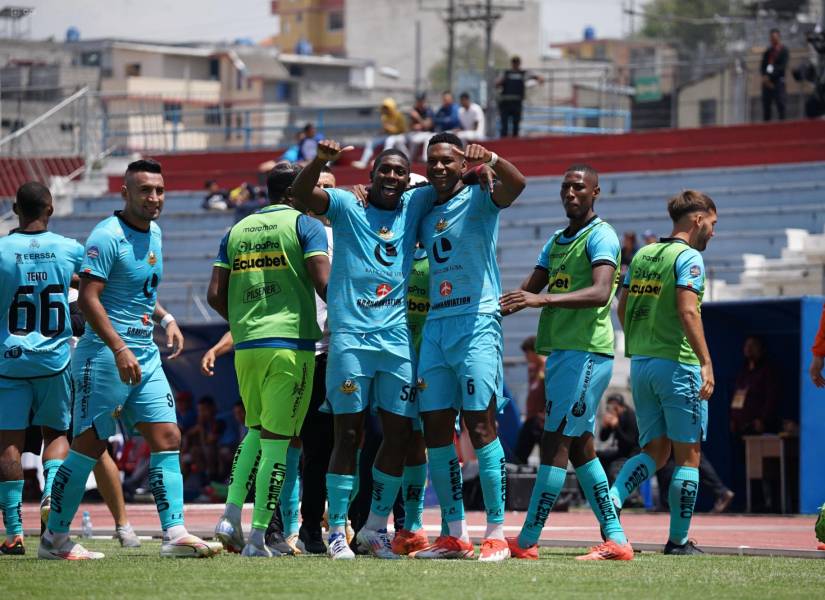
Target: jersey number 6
28	323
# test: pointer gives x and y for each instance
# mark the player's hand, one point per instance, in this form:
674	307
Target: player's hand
361	193
706	391
476	154
514	301
174	339
330	150
610	420
208	363
128	367
815	371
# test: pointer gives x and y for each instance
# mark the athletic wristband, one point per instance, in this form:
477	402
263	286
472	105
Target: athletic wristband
167	318
493	160
119	350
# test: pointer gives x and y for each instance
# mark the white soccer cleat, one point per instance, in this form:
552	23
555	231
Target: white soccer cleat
67	550
127	537
253	551
230	533
188	546
338	548
377	542
45	509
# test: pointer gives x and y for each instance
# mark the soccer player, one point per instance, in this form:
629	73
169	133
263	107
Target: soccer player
461	364
369	343
117	372
575	332
671	374
269	267
36	270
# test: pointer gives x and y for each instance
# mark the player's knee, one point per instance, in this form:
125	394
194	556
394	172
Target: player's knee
347	439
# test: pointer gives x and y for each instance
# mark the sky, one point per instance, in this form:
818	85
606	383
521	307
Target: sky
226	20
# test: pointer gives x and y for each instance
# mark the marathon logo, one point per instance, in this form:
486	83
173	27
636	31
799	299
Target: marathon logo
652	259
138	332
244	247
276	483
645	287
259	228
451	303
259	292
261	261
380	303
546	503
158	489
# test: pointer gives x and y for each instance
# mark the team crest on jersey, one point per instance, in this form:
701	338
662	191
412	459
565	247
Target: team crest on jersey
445	288
34	244
145	319
695	271
153	259
349	386
441	225
93	252
385	234
421	384
117	412
382	290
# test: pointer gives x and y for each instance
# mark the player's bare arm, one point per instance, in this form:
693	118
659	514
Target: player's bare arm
592	296
89	302
174	336
692	324
217	295
318	269
223	346
510	182
622	308
304	189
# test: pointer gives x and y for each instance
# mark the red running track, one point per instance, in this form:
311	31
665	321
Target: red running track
793	533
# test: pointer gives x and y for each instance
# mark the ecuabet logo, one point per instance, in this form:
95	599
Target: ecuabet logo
93	252
349	386
445	288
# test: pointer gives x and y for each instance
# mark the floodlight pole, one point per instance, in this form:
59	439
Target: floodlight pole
451	22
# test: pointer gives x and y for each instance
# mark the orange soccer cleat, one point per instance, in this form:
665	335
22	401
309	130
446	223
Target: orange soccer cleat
494	550
407	542
446	546
516	551
609	550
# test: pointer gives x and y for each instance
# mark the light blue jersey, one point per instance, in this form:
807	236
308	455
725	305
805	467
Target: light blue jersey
374	251
460	237
131	263
35	273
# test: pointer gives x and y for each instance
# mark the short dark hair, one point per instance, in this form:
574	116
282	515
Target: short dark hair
617	398
464	95
529	344
583	168
445	92
279	179
446	138
689	201
515	58
144	165
308	126
326	169
776	31
207	401
208	183
383	154
33	199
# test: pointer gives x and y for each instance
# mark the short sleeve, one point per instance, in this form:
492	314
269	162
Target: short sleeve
222	259
543	261
690	271
603	245
78	252
626	282
312	236
485	199
100	256
339	201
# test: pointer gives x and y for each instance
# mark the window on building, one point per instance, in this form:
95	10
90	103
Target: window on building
212	115
132	70
335	21
707	112
215	69
90	59
172	112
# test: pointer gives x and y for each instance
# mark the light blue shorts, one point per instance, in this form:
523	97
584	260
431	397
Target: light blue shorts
666	396
372	370
461	364
44	401
574	383
101	398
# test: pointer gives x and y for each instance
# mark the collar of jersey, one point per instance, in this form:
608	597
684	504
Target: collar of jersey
563	239
437	203
123	221
673	240
273	207
28	232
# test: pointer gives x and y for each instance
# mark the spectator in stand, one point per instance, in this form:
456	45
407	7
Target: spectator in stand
248	200
535	410
308	145
202	442
618	424
446	117
134	462
421	119
755	403
649	237
185	411
393	124
471	116
818	354
513	84
774	64
216	198
234	431
630	246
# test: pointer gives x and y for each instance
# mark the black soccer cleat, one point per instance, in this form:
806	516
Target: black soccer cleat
689	548
15	547
312	539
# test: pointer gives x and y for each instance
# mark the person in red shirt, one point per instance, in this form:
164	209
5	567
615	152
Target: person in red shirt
818	354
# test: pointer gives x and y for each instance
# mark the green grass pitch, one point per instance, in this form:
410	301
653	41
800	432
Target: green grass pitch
143	574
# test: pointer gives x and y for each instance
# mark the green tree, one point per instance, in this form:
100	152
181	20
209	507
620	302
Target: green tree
688	23
469	56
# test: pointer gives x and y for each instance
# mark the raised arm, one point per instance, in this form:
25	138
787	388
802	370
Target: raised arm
510	182
688	309
304	189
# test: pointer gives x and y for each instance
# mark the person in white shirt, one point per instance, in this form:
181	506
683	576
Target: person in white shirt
471	115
